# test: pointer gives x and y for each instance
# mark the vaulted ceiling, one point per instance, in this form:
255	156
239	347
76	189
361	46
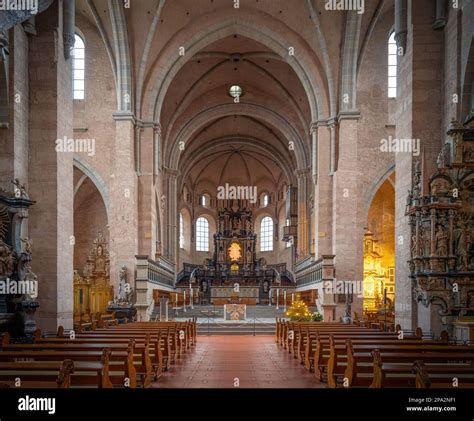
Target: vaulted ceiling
179	59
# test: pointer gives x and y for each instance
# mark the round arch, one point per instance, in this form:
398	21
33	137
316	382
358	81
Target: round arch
208	29
203	118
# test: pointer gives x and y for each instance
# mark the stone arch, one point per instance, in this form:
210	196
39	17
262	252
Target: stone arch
195	156
374	188
95	177
271	117
349	61
206	30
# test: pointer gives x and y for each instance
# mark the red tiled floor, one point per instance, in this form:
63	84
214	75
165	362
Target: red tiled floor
246	361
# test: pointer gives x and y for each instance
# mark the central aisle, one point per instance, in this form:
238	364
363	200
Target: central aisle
249	361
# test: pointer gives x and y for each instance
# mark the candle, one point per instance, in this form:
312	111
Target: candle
292	297
284	296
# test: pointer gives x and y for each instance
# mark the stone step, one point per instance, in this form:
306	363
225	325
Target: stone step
205	329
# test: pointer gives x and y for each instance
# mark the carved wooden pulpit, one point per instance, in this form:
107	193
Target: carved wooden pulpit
93	292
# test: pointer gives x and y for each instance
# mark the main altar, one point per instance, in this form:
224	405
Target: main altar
234	275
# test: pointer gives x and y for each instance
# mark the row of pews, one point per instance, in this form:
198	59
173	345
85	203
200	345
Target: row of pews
343	355
114	356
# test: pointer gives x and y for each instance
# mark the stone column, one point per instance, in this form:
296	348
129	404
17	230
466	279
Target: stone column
51	172
124	198
323	194
158	189
303	196
146	194
14	137
347	227
420	83
171	183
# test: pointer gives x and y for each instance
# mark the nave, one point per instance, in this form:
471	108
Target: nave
237	361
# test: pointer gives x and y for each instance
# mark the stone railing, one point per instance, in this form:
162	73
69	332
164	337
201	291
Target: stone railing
151	275
311	271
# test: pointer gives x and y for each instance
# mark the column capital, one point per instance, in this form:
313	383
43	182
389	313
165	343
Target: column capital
348	115
302	172
124	116
171	173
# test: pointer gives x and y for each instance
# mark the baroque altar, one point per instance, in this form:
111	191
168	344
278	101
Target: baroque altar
92	291
442	230
234	241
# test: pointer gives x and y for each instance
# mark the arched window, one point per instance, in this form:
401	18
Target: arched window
205	200
181	231
266	200
288	243
266	234
392	66
202	234
78	68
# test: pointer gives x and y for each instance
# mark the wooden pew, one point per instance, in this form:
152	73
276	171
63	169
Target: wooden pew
38	375
148	344
441	376
395	368
106	320
122	354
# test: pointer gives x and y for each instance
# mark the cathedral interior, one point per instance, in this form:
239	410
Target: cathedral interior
163	160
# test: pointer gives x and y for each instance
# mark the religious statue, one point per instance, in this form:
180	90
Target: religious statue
7	259
441	241
100	261
20	189
125	290
248	255
27	245
444	156
221	255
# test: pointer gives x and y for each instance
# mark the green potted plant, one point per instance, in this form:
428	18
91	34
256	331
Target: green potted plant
317	317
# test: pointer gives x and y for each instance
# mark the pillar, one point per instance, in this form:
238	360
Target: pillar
419	116
303	176
146	193
124	198
347	226
323	193
51	172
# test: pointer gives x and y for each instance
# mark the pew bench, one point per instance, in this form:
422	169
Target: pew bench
442	376
37	375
